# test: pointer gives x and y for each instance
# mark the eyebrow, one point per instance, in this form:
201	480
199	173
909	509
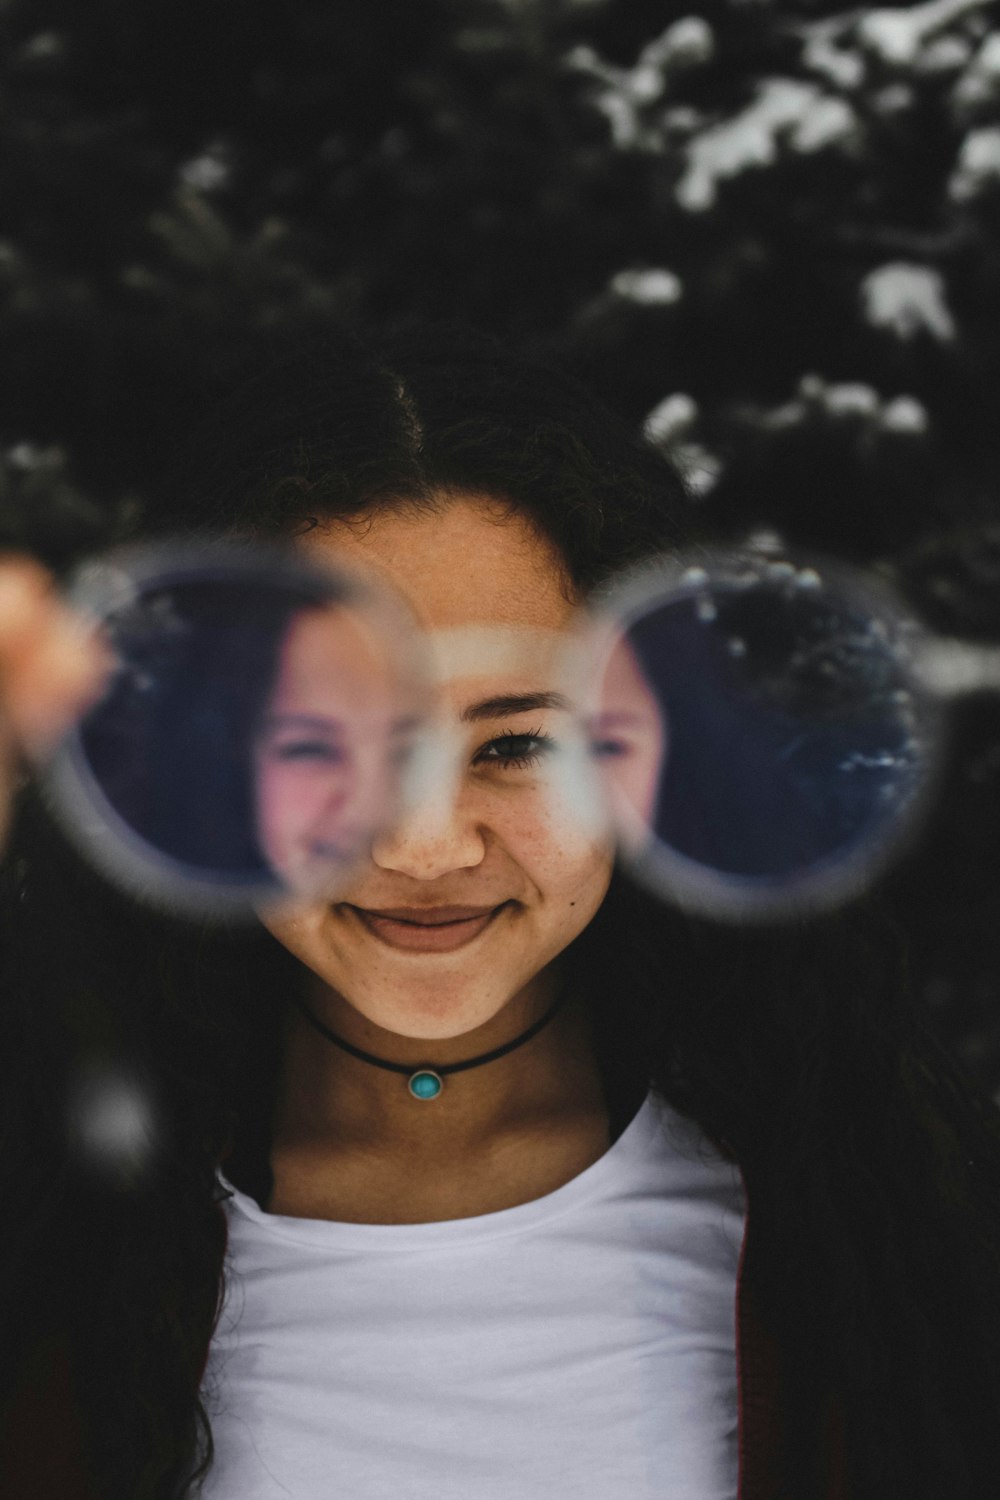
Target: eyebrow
301	721
619	718
513	703
498	707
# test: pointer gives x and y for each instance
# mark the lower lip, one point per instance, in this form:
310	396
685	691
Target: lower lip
440	939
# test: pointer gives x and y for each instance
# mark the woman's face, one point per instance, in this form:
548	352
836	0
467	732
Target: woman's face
630	717
322	762
487	593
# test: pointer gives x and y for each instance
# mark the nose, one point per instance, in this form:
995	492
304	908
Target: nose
433	831
335	815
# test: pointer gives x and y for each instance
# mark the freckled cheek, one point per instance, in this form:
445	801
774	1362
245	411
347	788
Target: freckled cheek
556	855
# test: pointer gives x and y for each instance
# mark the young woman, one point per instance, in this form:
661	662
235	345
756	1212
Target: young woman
706	1212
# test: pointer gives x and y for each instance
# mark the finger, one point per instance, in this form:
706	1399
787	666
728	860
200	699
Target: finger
52	663
26	594
53	680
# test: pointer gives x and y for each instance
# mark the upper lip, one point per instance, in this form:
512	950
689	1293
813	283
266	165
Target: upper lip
429	916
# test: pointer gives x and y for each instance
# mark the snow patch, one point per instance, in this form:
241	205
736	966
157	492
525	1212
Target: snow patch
907	299
651	288
905	414
978	164
826	124
686	44
979	85
783	107
893	99
209	171
625	93
669	427
898	37
840	66
850	401
946	55
671	419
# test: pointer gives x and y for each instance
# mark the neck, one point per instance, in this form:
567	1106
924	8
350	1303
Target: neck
327	1098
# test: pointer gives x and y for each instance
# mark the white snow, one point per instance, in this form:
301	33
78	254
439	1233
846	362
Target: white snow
701	468
852	399
669	426
978	164
652	288
980	83
945	55
802	112
626	93
893	99
825	124
673	417
898	36
838	65
907	299
849	400
987	59
682	120
209	171
789	414
904	414
685	44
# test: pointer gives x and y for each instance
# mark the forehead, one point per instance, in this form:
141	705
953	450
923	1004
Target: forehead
330	644
473	563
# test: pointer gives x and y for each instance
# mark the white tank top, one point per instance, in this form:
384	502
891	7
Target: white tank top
582	1345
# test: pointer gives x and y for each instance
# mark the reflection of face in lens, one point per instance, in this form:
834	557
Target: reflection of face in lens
322	766
628	735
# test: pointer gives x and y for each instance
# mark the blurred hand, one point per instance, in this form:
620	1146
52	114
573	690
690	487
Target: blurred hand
51	668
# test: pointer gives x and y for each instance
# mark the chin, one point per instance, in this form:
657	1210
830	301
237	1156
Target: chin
436	1016
436	1021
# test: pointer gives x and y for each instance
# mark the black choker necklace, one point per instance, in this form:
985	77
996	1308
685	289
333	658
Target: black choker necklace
427	1082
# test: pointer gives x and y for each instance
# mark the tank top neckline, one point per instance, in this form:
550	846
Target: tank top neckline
333	1235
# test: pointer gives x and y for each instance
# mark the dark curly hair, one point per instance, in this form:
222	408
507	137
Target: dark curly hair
872	1159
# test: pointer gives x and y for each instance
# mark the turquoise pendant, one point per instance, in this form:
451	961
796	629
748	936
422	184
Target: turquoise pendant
425	1084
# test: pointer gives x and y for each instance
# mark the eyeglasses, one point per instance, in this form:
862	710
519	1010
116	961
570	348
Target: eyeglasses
756	736
804	713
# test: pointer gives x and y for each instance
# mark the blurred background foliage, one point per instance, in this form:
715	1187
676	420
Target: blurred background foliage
767	232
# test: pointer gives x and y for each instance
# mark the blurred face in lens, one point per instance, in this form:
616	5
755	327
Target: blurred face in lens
463	903
628	731
321	757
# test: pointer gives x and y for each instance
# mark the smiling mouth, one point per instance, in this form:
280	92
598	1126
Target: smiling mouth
428	937
412	921
453	916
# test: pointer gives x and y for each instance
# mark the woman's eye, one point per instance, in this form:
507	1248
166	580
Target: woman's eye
515	752
603	749
320	751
